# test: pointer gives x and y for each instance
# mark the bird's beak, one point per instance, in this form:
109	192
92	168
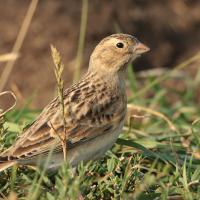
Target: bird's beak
141	48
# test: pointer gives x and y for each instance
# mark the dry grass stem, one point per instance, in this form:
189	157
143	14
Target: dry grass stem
18	43
157	72
8	56
14	104
81	41
58	70
2	113
196	121
153	112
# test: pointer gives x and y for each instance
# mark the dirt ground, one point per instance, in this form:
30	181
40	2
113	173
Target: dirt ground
170	28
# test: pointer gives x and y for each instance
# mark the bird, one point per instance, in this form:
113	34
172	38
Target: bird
95	111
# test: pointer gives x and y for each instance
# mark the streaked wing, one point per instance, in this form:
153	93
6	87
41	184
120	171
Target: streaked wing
89	113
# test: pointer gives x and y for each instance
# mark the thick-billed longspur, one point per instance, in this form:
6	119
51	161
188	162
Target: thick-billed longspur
95	111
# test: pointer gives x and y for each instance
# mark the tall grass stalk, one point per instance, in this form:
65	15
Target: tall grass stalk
81	42
58	70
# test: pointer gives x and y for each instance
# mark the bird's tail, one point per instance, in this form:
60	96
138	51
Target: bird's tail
6	164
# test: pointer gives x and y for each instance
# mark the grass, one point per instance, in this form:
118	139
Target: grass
149	161
58	70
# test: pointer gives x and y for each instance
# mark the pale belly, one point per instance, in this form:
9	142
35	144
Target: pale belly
90	150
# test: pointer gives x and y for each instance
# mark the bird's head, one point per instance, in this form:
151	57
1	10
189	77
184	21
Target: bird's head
114	52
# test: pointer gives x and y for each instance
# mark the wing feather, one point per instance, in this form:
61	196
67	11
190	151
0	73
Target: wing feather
87	116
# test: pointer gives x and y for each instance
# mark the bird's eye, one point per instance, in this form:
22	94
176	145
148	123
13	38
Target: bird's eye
120	45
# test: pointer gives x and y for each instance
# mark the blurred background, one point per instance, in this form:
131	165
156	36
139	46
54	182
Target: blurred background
170	28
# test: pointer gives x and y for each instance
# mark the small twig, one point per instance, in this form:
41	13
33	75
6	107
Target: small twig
139	116
18	43
8	56
14	104
2	113
196	182
4	197
133	117
153	112
60	88
196	121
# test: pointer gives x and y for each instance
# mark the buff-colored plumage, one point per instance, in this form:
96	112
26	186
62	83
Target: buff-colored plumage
95	111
